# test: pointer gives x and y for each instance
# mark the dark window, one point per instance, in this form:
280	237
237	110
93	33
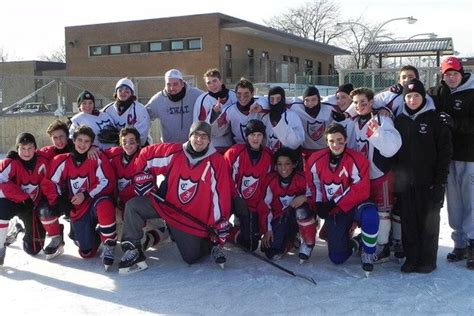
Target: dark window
135	48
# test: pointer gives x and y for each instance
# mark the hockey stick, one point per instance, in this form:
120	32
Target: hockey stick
276	265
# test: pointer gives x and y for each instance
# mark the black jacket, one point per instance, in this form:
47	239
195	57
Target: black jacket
423	160
458	103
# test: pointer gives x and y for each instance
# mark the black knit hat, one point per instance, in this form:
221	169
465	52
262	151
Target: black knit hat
311	90
346	88
254	126
414	85
85	95
25	138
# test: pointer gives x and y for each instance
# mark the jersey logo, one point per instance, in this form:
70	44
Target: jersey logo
273	142
248	186
423	128
286	200
315	130
242	130
333	190
363	147
457	105
103	124
131	119
122	183
186	190
78	185
31	189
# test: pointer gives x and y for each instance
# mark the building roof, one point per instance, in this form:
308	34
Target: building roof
248	28
414	47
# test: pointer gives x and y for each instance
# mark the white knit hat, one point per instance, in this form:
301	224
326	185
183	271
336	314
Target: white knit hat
127	83
173	74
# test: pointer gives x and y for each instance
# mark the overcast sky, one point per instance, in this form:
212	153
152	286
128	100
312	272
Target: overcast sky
32	29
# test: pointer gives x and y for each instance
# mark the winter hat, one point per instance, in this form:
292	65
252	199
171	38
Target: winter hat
451	63
85	95
25	138
125	82
414	85
254	126
173	74
277	90
200	126
310	91
346	88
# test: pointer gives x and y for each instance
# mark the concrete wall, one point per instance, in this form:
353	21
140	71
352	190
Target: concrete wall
12	125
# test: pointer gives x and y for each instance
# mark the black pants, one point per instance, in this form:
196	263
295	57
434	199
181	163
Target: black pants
420	225
284	230
249	232
33	240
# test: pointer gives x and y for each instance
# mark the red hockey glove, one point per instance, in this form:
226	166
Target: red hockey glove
144	183
221	231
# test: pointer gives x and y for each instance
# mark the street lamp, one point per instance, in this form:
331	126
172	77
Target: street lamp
430	35
373	34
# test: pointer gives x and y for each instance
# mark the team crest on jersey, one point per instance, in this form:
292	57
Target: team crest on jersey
31	189
122	183
186	190
103	124
286	200
78	185
315	130
273	143
457	105
131	119
363	147
249	186
333	190
423	128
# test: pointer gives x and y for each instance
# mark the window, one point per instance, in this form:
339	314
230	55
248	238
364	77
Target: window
194	43
95	50
135	48
177	45
156	46
115	49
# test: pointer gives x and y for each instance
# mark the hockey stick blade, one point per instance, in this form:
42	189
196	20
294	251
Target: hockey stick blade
276	265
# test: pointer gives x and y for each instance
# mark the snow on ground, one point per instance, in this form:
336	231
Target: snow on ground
71	285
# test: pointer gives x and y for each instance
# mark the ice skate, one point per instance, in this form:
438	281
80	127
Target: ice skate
2	255
108	255
152	237
54	248
470	255
382	254
398	251
218	256
457	254
305	252
133	259
367	260
13	233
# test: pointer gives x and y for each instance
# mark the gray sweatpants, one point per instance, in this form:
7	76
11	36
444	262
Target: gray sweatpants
460	198
139	209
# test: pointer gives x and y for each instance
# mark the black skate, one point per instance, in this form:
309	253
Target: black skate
133	259
382	254
13	233
108	255
54	248
398	251
2	255
457	254
218	256
305	252
367	260
470	255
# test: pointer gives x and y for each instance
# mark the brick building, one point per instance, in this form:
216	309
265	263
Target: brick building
194	44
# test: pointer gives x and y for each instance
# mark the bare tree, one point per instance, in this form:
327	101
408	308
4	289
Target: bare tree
57	55
315	20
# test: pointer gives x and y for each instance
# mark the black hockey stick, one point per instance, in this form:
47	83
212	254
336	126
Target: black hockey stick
276	265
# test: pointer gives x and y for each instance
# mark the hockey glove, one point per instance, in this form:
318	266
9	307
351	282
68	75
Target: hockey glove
108	135
324	208
221	231
446	119
338	116
144	183
12	155
437	194
396	88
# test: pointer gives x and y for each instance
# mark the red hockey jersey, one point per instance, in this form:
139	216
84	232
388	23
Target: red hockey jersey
95	177
348	184
199	186
248	177
17	183
279	197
